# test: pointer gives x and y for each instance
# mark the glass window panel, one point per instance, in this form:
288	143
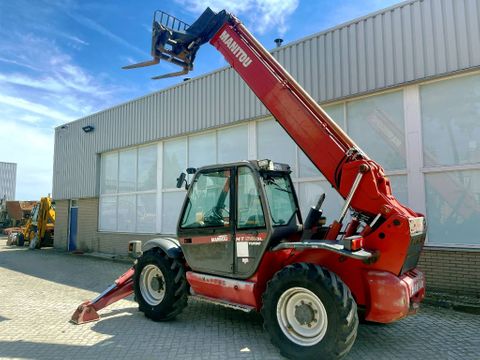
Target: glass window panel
281	202
126	213
453	207
146	213
127	173
209	201
399	188
109	171
201	150
337	113
310	193
172	204
377	125
249	203
305	166
274	143
232	144
450	121
107	213
174	161
147	168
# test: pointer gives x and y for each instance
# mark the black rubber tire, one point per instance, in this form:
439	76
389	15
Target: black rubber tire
20	239
39	243
48	239
337	299
176	289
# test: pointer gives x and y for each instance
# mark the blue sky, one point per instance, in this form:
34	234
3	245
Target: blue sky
61	60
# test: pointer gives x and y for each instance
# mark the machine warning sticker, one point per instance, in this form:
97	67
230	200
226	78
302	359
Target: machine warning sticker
242	249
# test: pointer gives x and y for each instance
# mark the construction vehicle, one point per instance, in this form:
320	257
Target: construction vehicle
38	232
241	239
14	214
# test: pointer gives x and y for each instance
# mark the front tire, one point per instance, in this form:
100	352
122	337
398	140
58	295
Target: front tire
160	286
310	313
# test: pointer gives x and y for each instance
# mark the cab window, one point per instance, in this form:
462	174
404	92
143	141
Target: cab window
208	203
249	205
281	201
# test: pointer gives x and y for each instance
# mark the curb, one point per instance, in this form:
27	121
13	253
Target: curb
465	304
104	256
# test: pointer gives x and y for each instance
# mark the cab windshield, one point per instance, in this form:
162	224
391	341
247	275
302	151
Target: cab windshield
281	201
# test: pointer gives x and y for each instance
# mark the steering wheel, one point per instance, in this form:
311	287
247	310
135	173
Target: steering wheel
215	215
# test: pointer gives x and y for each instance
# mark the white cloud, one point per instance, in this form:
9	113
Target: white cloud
260	15
45	83
87	22
32	149
51	89
75	39
33	107
18	63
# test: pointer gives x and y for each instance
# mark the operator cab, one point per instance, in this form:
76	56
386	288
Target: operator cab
234	212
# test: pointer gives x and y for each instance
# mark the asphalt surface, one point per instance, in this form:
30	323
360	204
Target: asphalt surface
40	289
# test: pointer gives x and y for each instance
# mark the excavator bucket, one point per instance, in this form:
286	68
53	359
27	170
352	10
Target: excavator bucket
177	42
120	289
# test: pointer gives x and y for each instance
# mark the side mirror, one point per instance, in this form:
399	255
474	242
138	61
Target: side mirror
181	180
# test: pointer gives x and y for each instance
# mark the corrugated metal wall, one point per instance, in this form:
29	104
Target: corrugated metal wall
410	42
8	180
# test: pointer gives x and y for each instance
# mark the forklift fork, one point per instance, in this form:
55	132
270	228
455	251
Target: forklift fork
177	42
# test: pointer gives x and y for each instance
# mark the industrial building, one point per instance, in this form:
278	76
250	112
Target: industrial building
404	82
8	180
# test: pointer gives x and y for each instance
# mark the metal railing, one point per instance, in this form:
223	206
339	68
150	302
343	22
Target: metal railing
169	21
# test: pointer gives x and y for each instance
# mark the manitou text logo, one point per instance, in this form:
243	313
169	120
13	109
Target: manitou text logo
236	50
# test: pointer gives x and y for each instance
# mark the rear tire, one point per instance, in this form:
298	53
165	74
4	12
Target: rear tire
310	313
160	286
20	239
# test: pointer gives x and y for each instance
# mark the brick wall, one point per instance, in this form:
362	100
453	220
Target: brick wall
61	224
447	270
87	224
452	270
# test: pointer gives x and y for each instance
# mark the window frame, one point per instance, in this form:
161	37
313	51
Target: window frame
415	170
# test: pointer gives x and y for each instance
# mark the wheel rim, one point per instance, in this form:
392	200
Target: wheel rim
152	284
302	316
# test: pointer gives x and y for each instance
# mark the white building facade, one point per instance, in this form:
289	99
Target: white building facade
404	83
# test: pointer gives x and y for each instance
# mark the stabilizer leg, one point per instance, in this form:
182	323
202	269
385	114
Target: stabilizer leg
120	289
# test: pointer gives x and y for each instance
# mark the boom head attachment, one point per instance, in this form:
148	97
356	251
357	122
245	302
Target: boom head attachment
177	42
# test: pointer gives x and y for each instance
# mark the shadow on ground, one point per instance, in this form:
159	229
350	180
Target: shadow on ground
63	268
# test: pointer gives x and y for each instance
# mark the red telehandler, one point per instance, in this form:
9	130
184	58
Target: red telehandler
241	241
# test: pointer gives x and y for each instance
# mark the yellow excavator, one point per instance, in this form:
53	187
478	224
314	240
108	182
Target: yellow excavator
39	229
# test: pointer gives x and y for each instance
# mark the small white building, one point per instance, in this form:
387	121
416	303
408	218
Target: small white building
8	180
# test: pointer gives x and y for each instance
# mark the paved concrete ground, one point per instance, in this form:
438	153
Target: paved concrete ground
40	289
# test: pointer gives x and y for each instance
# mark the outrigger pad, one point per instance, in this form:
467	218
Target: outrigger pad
177	42
84	313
